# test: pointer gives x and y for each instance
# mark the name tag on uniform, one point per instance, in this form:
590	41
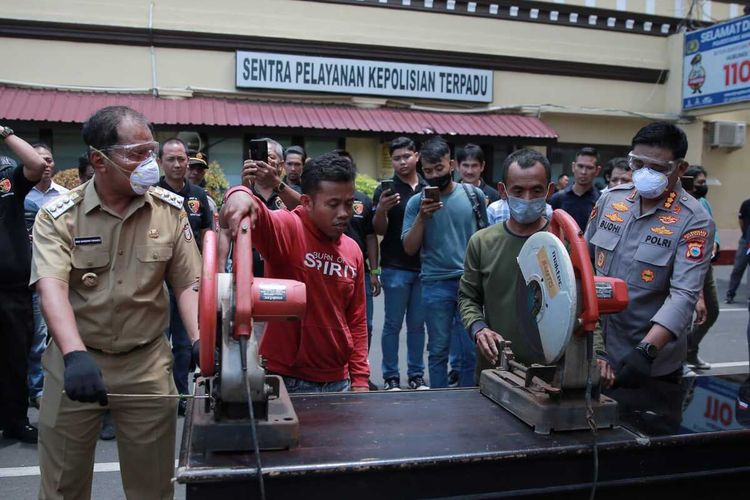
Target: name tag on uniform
87	240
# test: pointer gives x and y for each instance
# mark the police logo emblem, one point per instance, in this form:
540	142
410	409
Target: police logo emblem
668	219
194	205
153	233
614	217
5	186
620	206
280	205
358	207
647	275
695	249
661	230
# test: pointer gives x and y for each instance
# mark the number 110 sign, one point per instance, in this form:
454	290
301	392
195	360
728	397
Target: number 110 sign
716	66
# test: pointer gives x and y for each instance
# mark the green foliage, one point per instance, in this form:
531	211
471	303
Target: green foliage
366	184
216	182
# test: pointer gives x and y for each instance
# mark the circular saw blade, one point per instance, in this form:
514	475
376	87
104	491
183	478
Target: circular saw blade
547	308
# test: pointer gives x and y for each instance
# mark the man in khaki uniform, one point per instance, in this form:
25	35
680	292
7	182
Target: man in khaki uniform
101	256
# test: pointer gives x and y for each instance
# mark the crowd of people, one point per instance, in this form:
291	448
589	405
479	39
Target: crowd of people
112	306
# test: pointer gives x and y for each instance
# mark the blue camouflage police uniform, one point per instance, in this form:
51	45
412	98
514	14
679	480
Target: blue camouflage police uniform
663	256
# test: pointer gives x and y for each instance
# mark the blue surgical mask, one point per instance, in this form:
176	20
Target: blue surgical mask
649	183
526	211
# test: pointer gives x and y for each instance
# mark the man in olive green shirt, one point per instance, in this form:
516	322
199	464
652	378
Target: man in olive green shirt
487	290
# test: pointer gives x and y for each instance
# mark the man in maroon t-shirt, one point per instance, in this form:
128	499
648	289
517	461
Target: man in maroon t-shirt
327	350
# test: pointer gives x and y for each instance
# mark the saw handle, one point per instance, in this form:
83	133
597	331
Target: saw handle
565	227
207	298
243	276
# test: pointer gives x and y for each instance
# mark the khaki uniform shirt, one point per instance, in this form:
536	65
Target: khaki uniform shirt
663	256
115	266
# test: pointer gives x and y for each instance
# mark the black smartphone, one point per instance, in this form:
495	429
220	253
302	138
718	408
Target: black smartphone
431	193
259	150
387	185
688	182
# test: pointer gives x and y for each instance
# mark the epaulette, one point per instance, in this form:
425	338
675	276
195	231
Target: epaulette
167	196
627	185
63	203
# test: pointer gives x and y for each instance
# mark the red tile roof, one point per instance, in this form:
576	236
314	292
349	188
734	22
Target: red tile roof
76	107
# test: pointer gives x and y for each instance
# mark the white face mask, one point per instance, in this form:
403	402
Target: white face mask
145	175
650	183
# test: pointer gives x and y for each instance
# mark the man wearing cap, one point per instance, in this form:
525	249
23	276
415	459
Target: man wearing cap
101	257
16	319
197	168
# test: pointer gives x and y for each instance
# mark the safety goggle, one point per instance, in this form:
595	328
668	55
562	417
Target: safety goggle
134	152
637	162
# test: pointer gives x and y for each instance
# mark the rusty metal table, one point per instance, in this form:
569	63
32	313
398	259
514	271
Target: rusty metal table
458	443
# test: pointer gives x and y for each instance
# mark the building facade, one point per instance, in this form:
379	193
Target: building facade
356	73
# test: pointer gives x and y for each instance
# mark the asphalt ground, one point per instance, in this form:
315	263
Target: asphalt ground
725	345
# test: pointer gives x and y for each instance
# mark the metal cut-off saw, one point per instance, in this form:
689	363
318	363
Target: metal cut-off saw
558	303
237	392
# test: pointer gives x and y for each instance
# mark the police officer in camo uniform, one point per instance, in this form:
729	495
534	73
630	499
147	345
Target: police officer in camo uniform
657	238
101	255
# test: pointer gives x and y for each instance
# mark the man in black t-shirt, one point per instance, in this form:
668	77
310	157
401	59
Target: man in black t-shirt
471	164
402	285
173	159
360	230
579	199
740	258
16	319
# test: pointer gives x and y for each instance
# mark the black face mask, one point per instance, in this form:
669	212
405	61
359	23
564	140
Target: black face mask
441	182
700	191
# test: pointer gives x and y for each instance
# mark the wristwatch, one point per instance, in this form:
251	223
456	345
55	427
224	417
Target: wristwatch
281	187
5	132
647	349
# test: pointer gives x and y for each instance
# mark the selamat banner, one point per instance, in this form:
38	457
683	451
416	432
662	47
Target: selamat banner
716	67
354	76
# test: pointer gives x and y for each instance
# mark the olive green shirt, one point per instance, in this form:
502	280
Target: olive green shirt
487	290
115	266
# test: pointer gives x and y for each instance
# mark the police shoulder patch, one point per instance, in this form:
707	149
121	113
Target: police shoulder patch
695	234
166	196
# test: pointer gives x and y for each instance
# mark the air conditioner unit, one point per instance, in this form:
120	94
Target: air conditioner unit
727	134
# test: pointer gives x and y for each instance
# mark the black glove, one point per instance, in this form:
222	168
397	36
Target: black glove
634	370
83	379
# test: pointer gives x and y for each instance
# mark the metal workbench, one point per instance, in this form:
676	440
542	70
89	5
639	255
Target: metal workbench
458	443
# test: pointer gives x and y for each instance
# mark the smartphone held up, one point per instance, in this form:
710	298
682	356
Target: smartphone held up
259	150
431	193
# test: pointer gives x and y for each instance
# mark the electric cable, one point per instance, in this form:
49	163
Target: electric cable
590	412
253	431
